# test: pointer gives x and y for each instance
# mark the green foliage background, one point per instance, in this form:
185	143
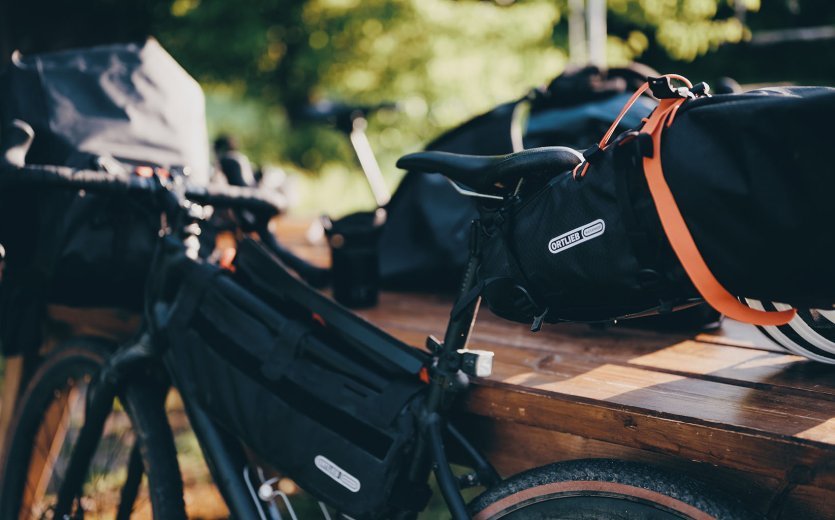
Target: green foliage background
444	61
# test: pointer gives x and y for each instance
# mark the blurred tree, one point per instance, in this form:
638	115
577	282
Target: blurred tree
444	60
785	41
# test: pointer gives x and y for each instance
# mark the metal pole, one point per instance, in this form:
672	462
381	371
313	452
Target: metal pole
369	163
577	54
596	18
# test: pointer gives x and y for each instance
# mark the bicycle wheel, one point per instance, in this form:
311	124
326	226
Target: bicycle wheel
47	422
602	489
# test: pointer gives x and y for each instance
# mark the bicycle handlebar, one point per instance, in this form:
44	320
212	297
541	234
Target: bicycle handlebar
61	176
234	197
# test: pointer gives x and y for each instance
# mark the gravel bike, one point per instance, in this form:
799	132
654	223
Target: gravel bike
91	439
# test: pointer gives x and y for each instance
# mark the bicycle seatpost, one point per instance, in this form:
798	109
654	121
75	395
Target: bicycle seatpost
368	161
352	120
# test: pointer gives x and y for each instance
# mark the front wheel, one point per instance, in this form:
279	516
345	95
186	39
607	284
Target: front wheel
136	441
602	489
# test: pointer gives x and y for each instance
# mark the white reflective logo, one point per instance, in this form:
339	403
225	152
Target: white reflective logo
330	469
576	236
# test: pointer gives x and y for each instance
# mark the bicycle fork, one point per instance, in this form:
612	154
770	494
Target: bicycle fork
99	403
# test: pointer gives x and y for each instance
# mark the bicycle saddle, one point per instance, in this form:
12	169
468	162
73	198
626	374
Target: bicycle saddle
494	174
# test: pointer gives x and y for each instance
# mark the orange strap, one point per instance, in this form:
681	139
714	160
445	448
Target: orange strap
679	235
604	141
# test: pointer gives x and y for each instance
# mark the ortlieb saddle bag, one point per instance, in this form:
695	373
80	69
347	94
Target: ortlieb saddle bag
319	394
715	198
424	241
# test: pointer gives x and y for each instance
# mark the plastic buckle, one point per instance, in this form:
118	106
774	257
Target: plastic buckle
478	363
536	326
592	153
701	89
662	88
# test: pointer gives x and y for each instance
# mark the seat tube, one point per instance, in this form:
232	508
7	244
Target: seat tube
448	379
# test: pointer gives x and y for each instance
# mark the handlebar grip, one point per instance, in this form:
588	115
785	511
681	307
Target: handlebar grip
60	176
265	204
63	177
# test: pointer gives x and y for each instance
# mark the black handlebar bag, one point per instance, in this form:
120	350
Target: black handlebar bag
316	392
717	198
109	107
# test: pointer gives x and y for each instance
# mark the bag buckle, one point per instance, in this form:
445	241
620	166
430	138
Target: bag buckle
536	326
662	88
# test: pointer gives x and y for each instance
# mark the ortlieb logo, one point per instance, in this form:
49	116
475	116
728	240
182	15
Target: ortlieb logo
330	469
576	236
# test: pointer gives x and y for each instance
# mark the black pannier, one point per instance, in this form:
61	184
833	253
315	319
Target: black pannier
129	101
108	107
751	179
314	391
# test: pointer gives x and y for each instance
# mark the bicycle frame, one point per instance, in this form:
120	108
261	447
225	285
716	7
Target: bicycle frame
224	454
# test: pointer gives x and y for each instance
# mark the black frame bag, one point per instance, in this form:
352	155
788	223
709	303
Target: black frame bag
304	396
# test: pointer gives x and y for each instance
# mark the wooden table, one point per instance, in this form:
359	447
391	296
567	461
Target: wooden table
725	406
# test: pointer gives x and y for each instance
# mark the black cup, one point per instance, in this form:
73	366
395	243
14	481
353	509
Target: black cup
355	260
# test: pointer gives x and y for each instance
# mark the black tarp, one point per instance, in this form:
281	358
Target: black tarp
752	175
129	101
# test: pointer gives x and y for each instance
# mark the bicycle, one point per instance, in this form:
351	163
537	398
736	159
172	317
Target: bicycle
99	408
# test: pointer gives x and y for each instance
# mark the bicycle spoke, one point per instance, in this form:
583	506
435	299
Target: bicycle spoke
41	468
55	441
99	495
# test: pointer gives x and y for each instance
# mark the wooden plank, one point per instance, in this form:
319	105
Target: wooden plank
112	324
12	378
671	353
740	427
516	447
760	453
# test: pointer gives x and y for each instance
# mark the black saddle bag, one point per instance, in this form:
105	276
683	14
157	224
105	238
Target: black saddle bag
750	181
316	392
585	250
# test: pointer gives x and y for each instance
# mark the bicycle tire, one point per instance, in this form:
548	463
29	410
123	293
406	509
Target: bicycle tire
143	404
593	489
